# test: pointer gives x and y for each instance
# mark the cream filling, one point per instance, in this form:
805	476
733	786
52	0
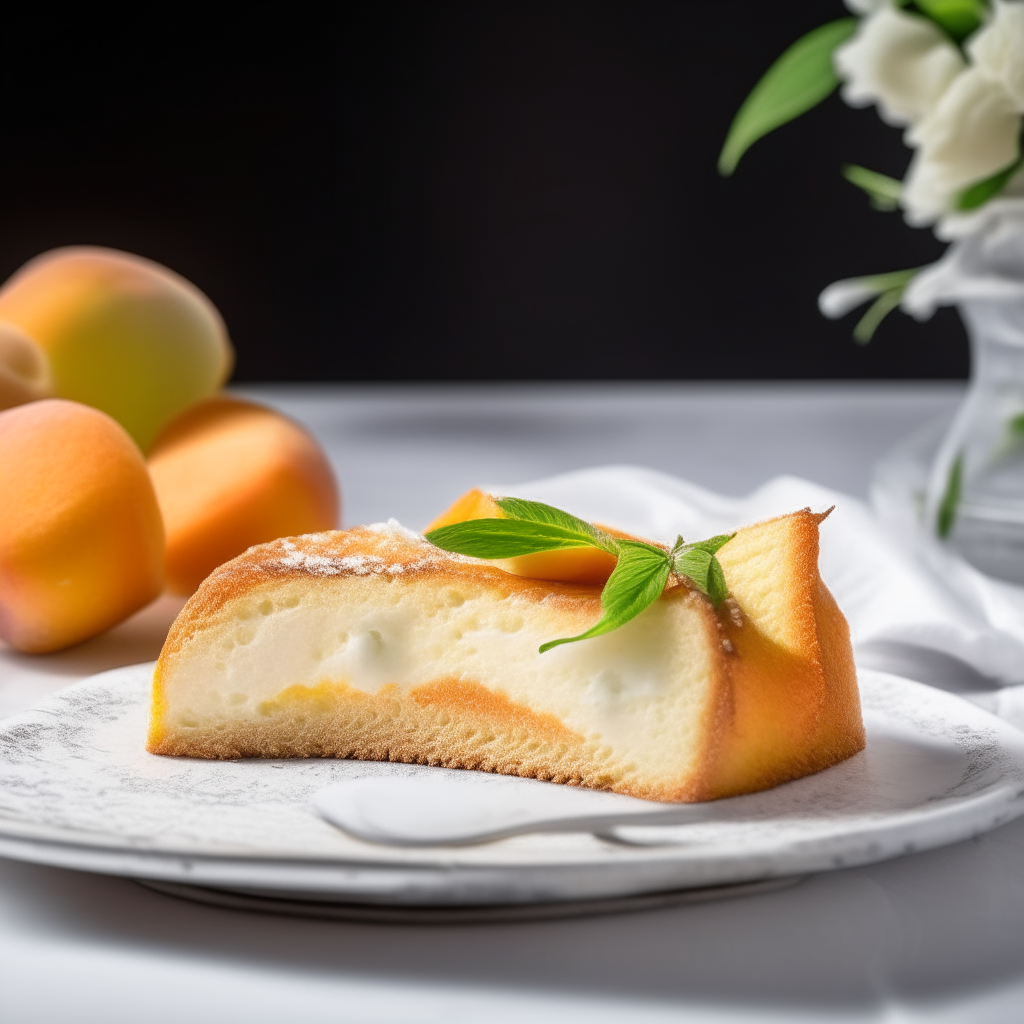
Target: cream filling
639	689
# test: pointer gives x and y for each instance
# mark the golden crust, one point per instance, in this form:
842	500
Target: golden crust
361	551
794	705
447	723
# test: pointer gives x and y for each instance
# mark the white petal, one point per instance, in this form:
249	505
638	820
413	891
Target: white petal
841	296
998	49
924	199
970	135
985	261
901	62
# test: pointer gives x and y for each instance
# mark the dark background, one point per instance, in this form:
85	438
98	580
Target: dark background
465	191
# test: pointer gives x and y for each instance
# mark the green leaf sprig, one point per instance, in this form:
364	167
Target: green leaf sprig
799	80
804	75
641	572
883	191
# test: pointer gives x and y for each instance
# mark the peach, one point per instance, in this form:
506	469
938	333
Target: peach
24	368
123	334
81	541
571	565
229	474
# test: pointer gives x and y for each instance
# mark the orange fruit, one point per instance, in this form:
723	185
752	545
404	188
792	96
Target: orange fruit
81	540
229	474
122	333
571	565
24	368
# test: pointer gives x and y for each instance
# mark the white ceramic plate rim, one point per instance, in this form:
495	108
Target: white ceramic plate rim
440	877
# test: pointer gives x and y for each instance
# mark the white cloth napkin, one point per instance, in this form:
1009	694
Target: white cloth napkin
896	589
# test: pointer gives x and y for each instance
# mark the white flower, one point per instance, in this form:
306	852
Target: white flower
901	62
925	198
968	136
997	50
985	261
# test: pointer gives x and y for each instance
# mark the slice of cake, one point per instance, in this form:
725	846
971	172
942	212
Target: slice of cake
372	643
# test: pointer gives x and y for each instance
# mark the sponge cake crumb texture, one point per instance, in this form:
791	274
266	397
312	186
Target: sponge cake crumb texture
373	644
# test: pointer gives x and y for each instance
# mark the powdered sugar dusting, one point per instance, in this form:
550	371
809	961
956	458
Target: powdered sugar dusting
329	565
322	554
394	527
325	565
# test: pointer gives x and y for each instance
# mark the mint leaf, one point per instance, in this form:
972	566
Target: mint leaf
697	562
799	80
641	570
507	538
883	191
704	570
548	515
636	582
711	545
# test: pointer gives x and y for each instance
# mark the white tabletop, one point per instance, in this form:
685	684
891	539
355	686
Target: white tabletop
938	936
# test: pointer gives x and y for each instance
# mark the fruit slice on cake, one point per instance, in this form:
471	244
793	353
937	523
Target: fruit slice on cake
374	643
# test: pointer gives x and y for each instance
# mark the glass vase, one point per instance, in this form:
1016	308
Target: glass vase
975	496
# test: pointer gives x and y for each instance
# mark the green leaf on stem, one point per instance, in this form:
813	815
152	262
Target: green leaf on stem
883	191
876	313
799	80
950	499
981	192
889	289
636	582
958	18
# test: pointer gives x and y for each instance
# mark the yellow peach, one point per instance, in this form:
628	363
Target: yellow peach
122	333
229	474
571	565
24	368
81	541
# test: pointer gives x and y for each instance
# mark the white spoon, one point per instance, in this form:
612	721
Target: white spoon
449	808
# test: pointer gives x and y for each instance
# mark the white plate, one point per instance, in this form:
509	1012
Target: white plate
78	790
